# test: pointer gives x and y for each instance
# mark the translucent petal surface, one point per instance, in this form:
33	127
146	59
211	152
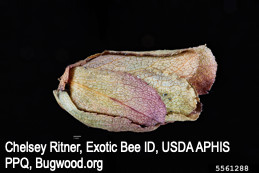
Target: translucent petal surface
116	94
177	94
137	91
197	65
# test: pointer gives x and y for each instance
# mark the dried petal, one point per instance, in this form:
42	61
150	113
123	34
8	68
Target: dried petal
115	124
116	94
197	65
137	91
178	95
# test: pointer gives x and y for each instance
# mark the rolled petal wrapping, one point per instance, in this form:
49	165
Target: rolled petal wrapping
137	91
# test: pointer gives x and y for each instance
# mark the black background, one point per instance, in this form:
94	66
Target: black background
40	38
